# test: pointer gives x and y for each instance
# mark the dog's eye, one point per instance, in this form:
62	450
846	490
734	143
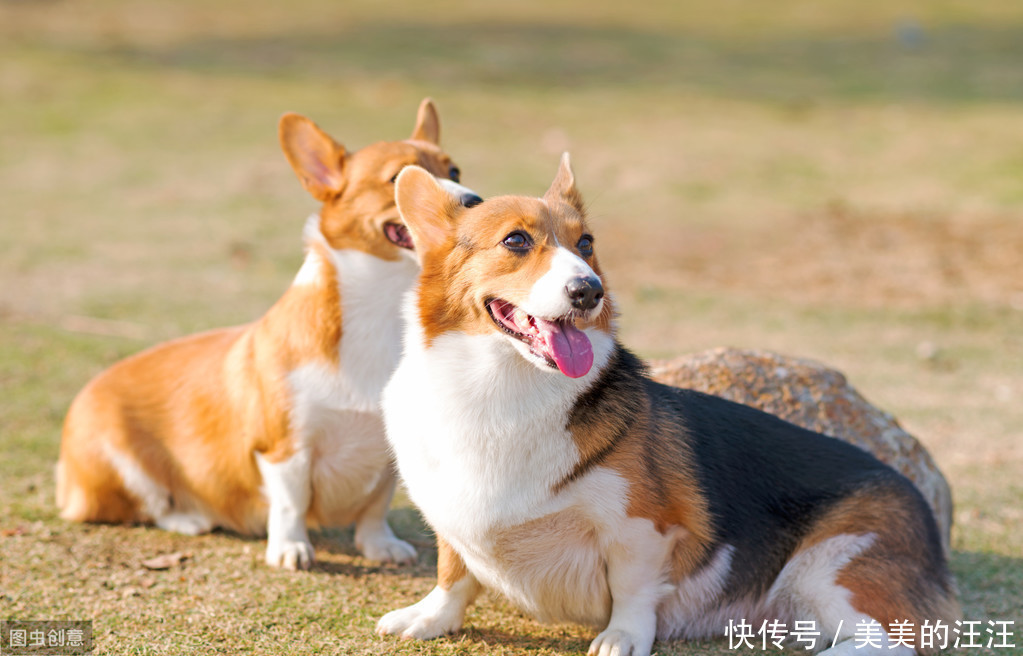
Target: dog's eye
455	174
585	245
394	178
517	241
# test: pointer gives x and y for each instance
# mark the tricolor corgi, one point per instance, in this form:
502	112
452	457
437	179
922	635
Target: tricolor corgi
264	427
554	471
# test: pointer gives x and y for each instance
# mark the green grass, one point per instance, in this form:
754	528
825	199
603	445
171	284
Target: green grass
839	181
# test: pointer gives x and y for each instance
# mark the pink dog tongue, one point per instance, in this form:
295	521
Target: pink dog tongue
568	346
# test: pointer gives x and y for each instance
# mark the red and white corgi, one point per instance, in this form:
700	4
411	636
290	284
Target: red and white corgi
263	427
554	471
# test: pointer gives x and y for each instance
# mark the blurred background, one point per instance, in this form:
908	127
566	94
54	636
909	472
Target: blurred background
839	180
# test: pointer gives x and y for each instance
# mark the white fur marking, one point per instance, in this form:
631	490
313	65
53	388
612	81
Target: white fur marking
189	523
287	488
807	582
372	291
311	272
155	503
456	190
154	499
547	297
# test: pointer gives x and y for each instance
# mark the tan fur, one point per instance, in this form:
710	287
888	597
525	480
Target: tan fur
523	552
192	412
450	567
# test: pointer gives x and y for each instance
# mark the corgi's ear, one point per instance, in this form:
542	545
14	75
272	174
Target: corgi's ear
316	158
563	187
426	207
427	123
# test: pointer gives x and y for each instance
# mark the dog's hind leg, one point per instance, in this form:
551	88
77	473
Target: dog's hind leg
873	563
373	535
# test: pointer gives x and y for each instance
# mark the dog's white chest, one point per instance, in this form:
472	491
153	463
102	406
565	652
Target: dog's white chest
476	452
371	292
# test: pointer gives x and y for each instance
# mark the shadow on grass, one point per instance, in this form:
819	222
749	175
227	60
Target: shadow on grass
990	587
949	64
351	570
487	636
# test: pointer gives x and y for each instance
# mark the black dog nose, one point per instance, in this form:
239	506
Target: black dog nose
470	199
584	293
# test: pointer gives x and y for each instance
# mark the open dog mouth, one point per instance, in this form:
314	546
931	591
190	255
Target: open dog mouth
398	235
557	341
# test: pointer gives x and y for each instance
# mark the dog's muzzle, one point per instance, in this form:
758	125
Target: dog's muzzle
465	196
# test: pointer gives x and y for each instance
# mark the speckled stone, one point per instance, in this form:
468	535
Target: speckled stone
811	395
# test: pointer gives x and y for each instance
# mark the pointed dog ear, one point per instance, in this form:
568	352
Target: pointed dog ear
427	123
317	159
425	206
563	187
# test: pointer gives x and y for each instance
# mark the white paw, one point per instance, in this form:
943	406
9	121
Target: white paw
187	523
411	622
615	642
438	613
389	550
290	554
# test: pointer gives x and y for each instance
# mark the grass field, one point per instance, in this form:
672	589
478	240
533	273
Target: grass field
841	181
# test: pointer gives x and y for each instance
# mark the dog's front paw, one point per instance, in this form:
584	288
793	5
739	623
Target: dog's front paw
412	622
615	642
389	550
290	554
437	614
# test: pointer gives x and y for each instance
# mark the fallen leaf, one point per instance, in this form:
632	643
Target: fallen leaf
166	561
